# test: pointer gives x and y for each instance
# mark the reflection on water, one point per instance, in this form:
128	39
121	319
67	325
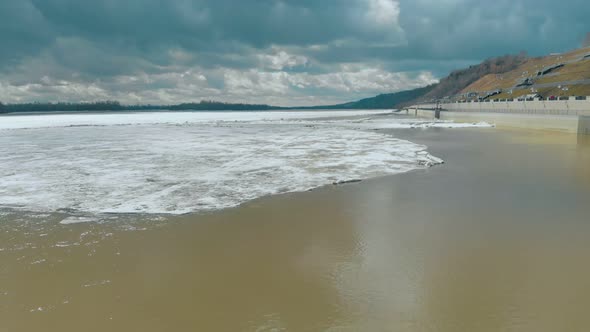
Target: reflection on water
574	150
495	240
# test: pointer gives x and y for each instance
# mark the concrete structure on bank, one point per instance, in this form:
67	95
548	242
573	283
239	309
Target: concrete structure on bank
571	106
561	115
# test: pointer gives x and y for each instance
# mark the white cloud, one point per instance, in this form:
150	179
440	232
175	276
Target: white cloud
68	91
369	80
383	12
348	83
280	60
256	83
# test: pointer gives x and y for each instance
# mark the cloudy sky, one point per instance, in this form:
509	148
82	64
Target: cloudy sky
280	52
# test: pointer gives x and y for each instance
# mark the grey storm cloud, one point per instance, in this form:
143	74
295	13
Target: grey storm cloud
474	29
288	52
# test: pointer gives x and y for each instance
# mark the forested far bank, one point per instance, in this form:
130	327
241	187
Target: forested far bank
104	106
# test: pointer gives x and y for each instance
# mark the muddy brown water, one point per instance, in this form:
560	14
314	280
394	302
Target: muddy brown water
496	239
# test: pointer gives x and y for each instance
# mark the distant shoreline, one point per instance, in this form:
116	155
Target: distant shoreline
180	111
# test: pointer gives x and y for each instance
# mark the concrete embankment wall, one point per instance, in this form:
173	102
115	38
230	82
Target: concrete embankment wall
584	125
563	123
546	107
571	115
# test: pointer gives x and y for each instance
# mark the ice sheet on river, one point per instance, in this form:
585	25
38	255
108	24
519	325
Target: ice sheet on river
179	166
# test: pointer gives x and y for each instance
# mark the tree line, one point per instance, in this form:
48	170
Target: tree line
209	105
61	107
105	106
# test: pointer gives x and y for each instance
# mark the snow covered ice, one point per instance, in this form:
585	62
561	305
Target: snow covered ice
174	163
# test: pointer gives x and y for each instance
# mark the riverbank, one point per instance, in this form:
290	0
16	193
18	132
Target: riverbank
573	124
494	239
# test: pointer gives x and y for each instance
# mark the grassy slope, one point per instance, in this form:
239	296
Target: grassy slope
458	80
576	68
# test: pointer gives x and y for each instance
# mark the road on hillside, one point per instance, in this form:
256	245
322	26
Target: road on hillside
554	84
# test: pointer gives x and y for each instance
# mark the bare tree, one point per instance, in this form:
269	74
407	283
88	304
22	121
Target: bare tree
586	42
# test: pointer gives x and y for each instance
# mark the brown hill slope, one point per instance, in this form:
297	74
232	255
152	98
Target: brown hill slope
458	80
553	75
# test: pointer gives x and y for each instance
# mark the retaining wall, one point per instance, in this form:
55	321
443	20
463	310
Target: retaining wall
547	107
563	123
584	125
562	115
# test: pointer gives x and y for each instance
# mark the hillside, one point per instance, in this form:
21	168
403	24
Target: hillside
505	77
391	100
458	80
566	74
451	85
383	101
